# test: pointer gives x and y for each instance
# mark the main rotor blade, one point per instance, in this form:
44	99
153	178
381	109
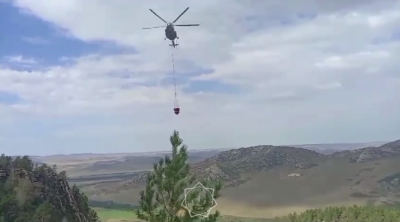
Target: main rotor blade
181	15
154	27
188	25
158	16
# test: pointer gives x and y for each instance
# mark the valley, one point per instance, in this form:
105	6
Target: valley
260	181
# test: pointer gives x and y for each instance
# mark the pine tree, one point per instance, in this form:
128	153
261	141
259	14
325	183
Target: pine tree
43	213
165	189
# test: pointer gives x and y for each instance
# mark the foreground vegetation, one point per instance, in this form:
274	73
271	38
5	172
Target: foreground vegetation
347	214
31	193
166	185
330	214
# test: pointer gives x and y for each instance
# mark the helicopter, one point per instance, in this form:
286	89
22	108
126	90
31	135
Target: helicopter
170	32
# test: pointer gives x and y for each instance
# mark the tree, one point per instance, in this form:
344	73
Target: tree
43	213
165	189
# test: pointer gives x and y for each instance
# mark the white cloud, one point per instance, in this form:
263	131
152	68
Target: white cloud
313	80
21	60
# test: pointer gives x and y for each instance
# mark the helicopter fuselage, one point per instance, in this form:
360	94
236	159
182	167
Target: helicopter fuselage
170	32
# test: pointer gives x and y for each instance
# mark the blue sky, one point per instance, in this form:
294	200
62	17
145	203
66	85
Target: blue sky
9	98
81	76
20	28
26	36
32	37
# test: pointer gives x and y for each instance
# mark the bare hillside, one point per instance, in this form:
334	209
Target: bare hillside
386	150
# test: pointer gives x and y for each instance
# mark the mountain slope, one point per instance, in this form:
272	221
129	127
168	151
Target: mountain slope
387	150
228	165
271	181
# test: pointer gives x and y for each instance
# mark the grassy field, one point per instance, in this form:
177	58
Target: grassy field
243	219
111	215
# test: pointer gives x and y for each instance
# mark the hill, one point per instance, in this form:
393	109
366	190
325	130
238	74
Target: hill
228	165
363	176
274	181
39	193
387	150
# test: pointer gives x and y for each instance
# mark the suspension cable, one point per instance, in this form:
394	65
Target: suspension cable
173	70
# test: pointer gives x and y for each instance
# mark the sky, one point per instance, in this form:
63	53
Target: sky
84	77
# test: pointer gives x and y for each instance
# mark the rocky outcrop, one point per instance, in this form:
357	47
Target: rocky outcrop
53	188
369	154
391	187
3	174
262	157
390	184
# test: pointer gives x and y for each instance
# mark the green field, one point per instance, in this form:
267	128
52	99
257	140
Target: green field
111	215
243	219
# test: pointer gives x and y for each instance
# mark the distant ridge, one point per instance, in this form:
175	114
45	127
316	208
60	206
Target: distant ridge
387	150
340	145
330	148
119	154
311	146
229	164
